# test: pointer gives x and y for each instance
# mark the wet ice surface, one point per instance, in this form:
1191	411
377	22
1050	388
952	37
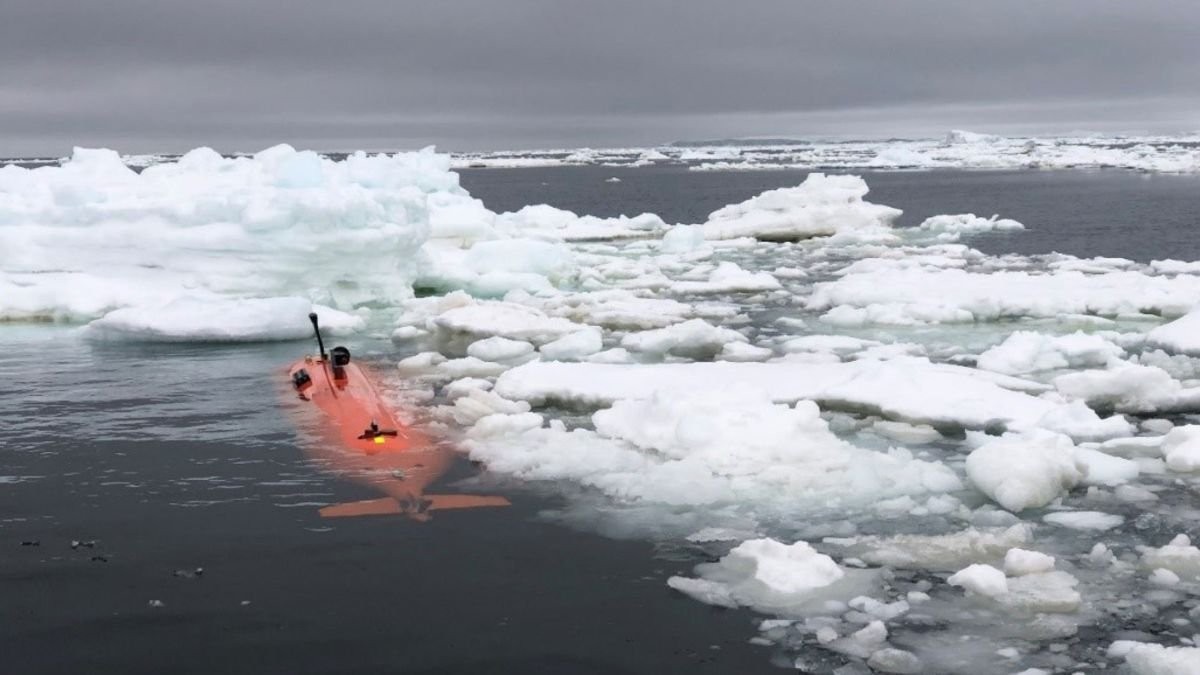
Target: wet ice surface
809	429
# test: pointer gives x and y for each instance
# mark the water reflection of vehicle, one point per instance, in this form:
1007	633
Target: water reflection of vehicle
358	435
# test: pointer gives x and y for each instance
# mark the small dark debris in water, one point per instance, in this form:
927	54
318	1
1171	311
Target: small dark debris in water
99	558
76	543
189	574
31	542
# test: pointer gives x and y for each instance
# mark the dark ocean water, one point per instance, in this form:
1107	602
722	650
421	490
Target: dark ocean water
161	459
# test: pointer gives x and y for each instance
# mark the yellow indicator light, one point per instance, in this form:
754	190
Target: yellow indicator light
379	440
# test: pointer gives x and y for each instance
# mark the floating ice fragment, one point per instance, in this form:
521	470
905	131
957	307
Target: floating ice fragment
1178	556
981	579
764	574
1084	520
1019	562
499	349
1181	336
820	206
1024	471
696	338
214	319
1181	448
573	347
1154	659
891	660
1028	352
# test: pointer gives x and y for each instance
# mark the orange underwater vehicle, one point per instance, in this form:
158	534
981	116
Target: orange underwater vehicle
358	435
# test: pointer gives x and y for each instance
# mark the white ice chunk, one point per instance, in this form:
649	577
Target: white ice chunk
925	293
906	433
1163	577
981	579
1154	659
1019	562
1181	448
1178	556
210	319
459	388
939	551
503	319
682	238
696	338
729	278
1130	388
1181	336
1027	352
710	445
742	352
573	347
499	349
91	236
954	227
1024	471
1084	520
862	643
478	403
763	573
912	390
820	206
1042	592
1104	469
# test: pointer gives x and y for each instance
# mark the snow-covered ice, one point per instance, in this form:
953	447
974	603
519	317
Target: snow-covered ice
1024	471
821	206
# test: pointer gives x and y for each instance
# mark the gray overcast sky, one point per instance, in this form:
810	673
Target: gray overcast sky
162	75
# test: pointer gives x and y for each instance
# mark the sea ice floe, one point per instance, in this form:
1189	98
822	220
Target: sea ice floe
498	348
1181	448
907	389
771	576
1178	556
1130	388
695	338
573	347
926	296
503	319
820	206
980	578
707	446
1084	520
91	236
953	227
1026	470
1181	336
937	551
956	150
1144	658
1025	352
494	267
1019	562
215	319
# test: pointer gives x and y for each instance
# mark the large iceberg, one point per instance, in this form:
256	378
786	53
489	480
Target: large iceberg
92	236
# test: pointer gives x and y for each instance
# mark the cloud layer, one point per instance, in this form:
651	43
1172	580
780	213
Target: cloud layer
147	75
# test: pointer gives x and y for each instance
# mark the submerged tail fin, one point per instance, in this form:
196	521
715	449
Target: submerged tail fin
386	506
367	507
441	502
